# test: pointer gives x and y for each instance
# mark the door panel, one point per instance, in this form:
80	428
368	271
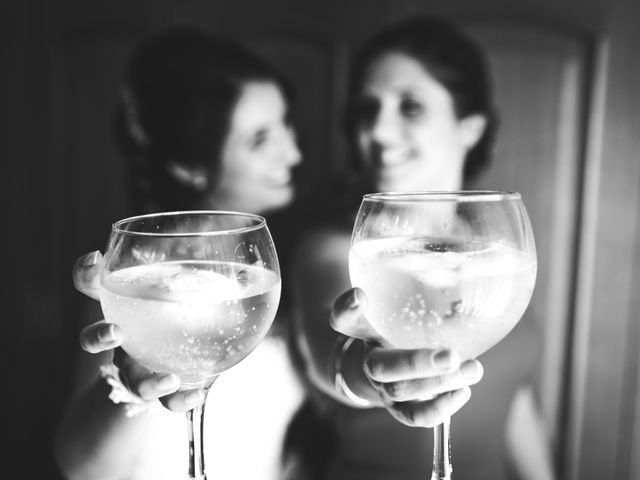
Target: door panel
540	79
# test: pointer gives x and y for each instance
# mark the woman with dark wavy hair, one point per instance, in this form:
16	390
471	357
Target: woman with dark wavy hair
203	124
420	116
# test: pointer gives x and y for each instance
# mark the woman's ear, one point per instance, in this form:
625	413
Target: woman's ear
472	128
188	176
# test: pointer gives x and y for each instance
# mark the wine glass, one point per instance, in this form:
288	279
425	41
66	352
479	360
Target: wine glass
449	270
194	292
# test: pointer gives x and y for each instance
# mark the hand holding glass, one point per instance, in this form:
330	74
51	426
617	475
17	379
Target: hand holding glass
451	270
194	293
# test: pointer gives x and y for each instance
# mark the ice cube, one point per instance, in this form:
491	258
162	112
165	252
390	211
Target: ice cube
206	284
437	270
440	278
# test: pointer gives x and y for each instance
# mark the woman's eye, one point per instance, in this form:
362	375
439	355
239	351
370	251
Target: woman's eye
410	108
258	139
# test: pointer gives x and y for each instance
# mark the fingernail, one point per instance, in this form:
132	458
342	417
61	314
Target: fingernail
168	382
462	395
470	369
194	397
443	359
90	259
354	301
107	333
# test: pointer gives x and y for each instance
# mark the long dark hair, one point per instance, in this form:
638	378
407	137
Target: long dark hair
180	88
451	57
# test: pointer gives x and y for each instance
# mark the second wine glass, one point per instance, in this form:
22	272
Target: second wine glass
451	270
194	293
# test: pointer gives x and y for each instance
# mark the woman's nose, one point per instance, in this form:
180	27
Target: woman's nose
384	128
291	151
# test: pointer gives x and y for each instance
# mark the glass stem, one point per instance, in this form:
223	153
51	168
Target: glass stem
442	452
195	429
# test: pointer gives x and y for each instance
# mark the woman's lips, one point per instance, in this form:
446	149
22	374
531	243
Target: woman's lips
281	178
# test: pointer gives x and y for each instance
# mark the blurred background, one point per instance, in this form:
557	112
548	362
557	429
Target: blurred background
566	78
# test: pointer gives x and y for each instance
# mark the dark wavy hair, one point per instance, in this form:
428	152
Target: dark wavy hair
180	88
452	58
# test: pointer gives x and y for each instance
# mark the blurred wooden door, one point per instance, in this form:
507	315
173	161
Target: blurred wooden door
566	79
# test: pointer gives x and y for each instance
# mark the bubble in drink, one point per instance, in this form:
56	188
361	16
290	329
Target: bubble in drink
194	319
426	293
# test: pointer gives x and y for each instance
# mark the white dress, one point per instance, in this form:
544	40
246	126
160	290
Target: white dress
246	416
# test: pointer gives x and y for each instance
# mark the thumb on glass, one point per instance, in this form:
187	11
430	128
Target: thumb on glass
348	318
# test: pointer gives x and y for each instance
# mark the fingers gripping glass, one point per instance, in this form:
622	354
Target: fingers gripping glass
449	270
195	293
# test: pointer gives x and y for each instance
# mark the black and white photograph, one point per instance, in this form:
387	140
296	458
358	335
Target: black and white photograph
376	239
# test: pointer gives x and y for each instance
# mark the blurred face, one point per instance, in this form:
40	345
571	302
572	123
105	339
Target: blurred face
409	134
258	154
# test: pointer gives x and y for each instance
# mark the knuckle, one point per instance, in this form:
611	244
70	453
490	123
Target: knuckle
438	382
411	360
394	390
420	389
416	361
403	413
146	388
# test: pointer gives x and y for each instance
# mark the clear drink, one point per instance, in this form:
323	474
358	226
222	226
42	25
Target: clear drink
192	318
426	293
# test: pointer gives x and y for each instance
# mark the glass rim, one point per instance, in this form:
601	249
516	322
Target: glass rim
443	195
116	227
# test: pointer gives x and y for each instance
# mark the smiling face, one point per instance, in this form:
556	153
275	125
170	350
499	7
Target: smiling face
258	153
408	132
